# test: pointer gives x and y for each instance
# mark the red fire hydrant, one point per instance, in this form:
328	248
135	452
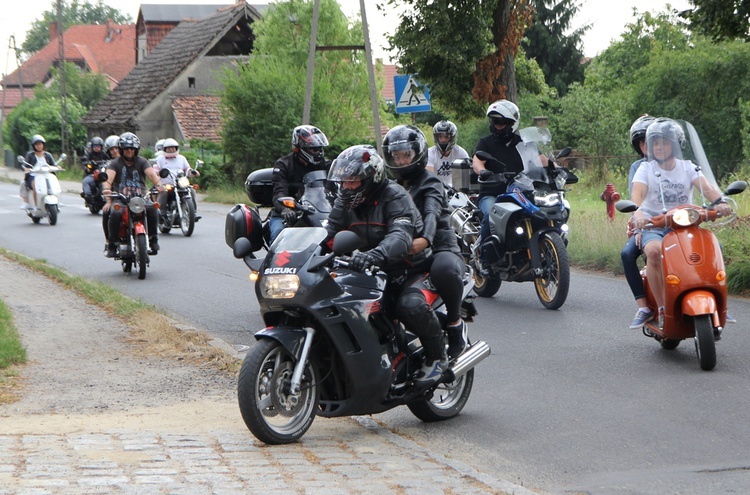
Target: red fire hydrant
610	196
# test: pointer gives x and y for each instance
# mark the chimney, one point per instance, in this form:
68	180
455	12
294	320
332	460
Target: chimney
110	31
52	31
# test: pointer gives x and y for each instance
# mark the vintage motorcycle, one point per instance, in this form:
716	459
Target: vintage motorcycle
46	187
329	348
133	244
528	224
96	202
180	202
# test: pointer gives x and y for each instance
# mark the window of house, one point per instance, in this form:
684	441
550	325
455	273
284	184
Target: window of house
191	82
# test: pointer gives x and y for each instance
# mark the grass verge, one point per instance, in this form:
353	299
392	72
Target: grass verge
12	354
151	329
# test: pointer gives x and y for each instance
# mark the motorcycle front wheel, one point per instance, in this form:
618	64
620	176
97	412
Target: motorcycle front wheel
141	256
52	214
447	401
270	412
554	282
187	222
705	345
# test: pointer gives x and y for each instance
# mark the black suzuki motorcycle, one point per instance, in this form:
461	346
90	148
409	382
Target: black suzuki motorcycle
329	347
528	225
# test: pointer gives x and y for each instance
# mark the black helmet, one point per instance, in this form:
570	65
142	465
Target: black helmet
129	140
666	129
308	142
360	162
405	151
445	127
97	141
638	131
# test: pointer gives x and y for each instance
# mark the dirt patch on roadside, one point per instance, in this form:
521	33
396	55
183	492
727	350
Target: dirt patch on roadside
84	362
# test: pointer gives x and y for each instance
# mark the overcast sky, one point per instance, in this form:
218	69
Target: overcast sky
608	19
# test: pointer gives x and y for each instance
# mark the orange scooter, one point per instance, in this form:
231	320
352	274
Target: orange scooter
695	281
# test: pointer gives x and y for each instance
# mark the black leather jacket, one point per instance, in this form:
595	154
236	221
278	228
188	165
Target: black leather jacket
427	191
388	224
287	178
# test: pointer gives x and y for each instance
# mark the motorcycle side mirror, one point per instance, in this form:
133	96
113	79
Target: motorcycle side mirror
736	187
102	177
63	157
242	247
564	152
164	173
626	206
483	155
346	241
571	178
198	163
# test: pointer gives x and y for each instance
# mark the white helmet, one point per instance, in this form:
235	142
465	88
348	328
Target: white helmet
159	146
505	111
170	143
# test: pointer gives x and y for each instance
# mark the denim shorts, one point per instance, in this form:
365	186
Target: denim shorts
648	235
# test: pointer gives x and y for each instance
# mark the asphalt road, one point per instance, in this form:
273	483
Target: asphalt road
570	401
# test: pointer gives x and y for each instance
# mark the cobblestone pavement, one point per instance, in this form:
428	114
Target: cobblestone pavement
347	456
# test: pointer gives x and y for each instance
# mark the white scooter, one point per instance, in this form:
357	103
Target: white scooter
46	187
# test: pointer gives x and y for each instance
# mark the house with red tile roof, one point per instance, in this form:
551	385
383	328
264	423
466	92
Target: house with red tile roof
107	49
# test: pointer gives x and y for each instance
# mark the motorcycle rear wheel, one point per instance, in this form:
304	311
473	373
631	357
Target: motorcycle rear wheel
553	284
272	414
187	222
52	214
447	401
705	345
141	256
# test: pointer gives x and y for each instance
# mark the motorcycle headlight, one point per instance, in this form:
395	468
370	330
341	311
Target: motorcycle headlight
137	205
551	199
686	216
279	286
183	182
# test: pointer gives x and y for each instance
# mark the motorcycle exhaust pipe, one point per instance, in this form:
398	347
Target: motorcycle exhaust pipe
470	358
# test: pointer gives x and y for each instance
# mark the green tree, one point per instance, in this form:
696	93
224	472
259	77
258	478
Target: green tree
464	50
558	54
42	115
75	12
720	19
264	98
87	88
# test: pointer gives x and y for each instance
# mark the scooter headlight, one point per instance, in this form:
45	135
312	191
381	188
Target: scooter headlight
279	286
686	216
183	182
550	199
137	205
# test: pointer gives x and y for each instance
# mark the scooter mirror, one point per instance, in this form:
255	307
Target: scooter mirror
63	157
198	163
736	187
20	159
626	206
564	152
345	242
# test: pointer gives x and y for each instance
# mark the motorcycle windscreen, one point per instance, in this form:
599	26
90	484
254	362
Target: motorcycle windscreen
532	163
694	152
299	239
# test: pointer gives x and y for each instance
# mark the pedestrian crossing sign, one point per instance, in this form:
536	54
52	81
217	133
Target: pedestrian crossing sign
411	96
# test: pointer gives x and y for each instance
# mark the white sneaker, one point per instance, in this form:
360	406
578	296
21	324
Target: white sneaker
26	206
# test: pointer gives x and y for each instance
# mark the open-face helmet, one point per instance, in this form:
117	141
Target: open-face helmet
665	129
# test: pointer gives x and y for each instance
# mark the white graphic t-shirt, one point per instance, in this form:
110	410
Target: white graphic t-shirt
676	185
441	165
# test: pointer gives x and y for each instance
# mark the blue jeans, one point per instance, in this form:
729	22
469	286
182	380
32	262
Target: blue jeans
276	225
89	185
485	204
629	256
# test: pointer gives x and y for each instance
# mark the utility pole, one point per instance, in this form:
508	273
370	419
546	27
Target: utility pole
63	91
370	69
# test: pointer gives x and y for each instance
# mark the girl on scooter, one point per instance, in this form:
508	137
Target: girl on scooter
659	185
39	152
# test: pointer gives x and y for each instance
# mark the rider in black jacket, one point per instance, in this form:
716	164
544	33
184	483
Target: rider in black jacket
96	154
405	153
383	214
307	156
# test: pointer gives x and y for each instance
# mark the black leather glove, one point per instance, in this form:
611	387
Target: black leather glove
362	261
486	175
289	216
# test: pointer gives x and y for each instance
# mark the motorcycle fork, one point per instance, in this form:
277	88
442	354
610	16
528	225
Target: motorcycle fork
299	368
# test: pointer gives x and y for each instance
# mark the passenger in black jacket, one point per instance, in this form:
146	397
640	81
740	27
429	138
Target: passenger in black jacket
383	214
307	156
405	153
96	154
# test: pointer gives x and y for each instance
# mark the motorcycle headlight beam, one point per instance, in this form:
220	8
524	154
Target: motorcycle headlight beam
279	286
137	205
183	182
